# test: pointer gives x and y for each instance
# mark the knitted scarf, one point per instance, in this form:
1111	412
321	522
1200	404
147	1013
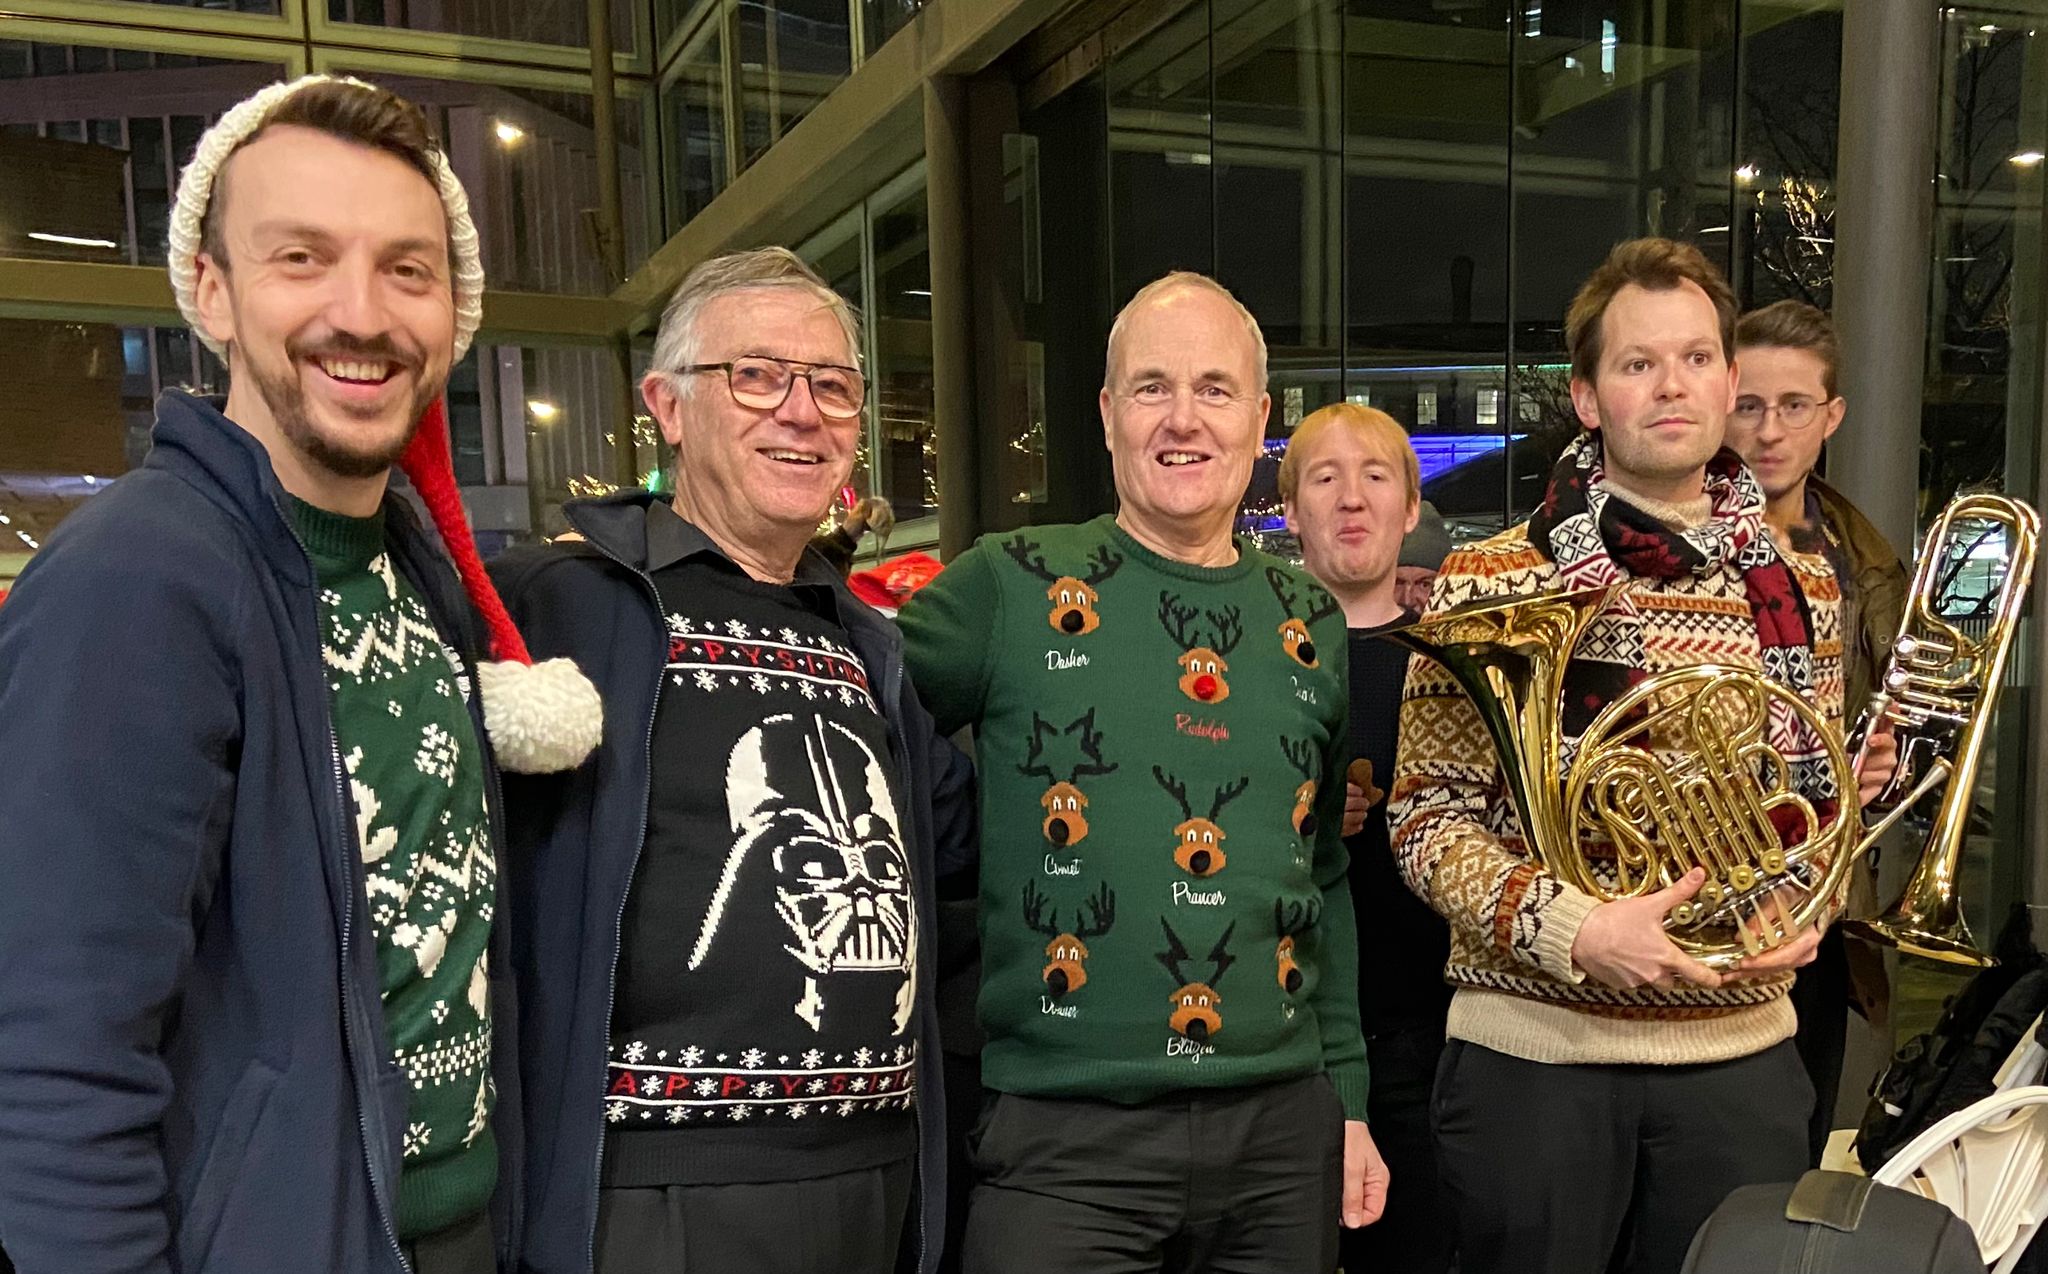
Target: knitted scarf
1596	539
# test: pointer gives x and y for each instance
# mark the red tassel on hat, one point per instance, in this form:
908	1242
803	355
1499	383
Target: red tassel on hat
541	717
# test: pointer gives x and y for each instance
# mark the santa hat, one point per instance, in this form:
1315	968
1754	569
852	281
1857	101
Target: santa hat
541	717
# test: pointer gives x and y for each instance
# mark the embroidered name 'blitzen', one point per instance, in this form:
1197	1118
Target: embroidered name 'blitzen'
681	1088
734	655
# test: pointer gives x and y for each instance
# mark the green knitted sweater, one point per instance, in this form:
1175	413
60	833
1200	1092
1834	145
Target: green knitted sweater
416	783
1161	751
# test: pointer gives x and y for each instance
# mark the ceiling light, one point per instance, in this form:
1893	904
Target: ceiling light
509	133
542	410
2027	158
71	240
1748	172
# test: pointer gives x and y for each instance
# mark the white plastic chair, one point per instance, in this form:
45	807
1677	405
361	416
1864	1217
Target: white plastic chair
1987	1163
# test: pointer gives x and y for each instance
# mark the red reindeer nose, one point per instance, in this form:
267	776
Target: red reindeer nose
1205	686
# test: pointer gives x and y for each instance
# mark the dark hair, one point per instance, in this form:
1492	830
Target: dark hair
1657	265
359	113
1794	325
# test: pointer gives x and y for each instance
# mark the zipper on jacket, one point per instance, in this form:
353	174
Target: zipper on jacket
611	983
892	686
379	1188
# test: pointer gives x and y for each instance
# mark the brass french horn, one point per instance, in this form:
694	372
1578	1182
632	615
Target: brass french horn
1680	772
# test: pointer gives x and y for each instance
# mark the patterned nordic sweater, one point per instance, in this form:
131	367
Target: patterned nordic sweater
1460	846
1160	752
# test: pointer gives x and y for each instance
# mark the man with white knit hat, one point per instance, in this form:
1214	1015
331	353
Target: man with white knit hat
250	731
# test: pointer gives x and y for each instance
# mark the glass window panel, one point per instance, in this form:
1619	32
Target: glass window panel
792	53
1279	210
1624	117
561	405
528	160
884	18
1426	92
1784	222
1980	419
1161	184
693	123
565	22
102	383
906	439
70	187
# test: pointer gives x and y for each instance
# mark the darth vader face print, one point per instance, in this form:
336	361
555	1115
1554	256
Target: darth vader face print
811	811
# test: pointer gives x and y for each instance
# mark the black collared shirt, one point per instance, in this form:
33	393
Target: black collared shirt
763	1024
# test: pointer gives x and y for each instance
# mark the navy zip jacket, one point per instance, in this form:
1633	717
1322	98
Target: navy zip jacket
194	1074
576	837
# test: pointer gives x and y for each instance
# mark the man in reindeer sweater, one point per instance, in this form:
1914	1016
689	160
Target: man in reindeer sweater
1602	1091
1170	977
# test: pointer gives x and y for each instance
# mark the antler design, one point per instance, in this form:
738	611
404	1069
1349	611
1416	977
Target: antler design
1033	767
1173	955
1027	556
1296	917
1324	602
1178	620
1091	747
1225	795
1220	958
1102	564
1176	789
1034	903
1283	588
1229	627
1301	754
1102	914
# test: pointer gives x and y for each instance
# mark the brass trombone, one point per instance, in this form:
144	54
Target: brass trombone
1939	691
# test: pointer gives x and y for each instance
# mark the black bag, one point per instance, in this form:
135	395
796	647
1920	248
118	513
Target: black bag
1936	1074
1832	1223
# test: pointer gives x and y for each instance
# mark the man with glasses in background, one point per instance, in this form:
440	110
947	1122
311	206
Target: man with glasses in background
728	920
1786	408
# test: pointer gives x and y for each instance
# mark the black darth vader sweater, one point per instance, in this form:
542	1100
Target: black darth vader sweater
763	1027
1160	753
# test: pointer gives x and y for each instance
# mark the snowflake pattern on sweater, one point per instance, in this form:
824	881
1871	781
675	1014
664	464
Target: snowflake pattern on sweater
415	778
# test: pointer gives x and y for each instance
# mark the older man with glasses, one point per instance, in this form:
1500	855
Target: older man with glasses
725	924
1786	409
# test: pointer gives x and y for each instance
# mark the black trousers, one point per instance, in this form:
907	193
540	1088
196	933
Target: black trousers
1227	1180
1414	1235
848	1223
1821	998
1583	1169
465	1247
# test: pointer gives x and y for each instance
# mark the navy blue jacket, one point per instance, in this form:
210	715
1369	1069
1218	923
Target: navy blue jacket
194	1073
576	838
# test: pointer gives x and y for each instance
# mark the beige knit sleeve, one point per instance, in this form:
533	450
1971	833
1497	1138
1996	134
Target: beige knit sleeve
1456	838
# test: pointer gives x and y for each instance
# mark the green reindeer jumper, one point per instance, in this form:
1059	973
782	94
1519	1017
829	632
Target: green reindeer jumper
1161	752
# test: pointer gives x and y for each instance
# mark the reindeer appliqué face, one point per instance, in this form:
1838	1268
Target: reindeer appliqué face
1301	754
1066	955
1204	662
1291	919
1294	636
1073	598
1197	1008
1198	850
1066	822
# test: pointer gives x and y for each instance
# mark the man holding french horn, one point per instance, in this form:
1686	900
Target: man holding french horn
1612	1074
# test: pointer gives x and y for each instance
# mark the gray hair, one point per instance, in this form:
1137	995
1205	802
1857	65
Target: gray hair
676	344
1175	281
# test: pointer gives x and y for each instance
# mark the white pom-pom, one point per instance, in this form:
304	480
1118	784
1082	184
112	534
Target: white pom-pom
542	717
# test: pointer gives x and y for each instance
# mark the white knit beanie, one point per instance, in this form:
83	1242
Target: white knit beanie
195	193
541	717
